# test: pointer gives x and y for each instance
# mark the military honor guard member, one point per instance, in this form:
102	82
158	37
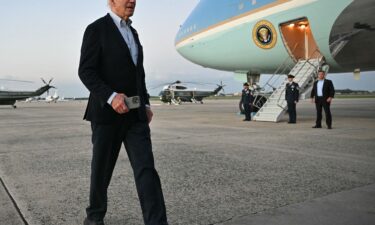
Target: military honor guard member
322	94
247	100
292	97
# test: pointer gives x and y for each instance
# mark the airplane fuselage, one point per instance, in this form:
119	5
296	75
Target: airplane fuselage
257	36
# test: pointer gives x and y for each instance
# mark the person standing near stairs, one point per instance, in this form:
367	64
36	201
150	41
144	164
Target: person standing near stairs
292	97
247	99
322	94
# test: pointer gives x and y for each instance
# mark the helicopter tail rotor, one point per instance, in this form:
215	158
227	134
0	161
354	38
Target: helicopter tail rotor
221	87
48	84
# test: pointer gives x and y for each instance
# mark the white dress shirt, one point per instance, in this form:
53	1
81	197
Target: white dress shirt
124	28
320	88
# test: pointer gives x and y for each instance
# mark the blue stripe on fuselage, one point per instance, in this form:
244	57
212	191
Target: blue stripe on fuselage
210	12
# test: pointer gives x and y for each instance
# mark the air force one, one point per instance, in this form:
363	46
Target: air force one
253	37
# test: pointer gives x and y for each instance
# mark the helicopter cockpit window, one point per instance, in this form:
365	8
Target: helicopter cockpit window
181	87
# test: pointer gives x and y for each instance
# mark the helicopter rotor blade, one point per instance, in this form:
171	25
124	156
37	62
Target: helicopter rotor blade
43	81
159	86
182	83
164	84
49	82
21	81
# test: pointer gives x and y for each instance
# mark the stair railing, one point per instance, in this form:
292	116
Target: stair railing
260	98
315	55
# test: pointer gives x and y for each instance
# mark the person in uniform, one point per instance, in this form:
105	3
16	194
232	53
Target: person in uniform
292	97
247	101
322	94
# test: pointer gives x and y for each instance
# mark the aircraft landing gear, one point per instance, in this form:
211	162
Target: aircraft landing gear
175	102
14	106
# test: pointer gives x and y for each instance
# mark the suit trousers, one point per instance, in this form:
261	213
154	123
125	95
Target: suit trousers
107	140
292	112
247	109
323	104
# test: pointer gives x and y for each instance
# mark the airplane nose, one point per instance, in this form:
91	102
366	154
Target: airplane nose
192	40
192	26
185	33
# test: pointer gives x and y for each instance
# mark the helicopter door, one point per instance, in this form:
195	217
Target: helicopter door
299	40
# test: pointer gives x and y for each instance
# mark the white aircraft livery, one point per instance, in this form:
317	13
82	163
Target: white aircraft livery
257	35
279	37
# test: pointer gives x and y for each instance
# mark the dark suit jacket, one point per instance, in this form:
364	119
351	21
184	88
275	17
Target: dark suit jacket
105	67
328	90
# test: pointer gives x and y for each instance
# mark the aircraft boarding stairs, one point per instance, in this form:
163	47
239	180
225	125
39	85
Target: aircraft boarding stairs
275	107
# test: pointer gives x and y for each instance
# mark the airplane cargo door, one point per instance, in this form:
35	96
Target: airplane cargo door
299	40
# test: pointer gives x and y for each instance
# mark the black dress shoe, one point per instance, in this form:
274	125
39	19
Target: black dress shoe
246	120
89	222
316	126
291	122
329	127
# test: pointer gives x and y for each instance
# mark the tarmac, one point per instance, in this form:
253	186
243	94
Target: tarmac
214	168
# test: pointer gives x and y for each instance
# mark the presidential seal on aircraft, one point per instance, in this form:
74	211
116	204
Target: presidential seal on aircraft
264	34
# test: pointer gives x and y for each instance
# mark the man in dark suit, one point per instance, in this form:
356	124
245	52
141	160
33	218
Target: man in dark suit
322	94
247	99
111	67
292	97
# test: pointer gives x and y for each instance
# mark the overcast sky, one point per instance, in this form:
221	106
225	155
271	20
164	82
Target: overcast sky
42	38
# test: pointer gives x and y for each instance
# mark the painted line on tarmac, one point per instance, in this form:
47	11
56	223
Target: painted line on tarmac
14	202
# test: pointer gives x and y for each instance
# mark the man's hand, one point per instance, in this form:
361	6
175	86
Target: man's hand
329	100
118	104
312	100
150	114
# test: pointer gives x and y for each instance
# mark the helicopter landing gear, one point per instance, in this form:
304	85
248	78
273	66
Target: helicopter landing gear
14	106
175	102
193	100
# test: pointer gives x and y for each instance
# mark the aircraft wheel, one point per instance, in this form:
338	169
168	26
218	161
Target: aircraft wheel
14	106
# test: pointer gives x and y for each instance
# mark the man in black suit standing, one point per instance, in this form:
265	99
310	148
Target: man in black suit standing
111	67
322	94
